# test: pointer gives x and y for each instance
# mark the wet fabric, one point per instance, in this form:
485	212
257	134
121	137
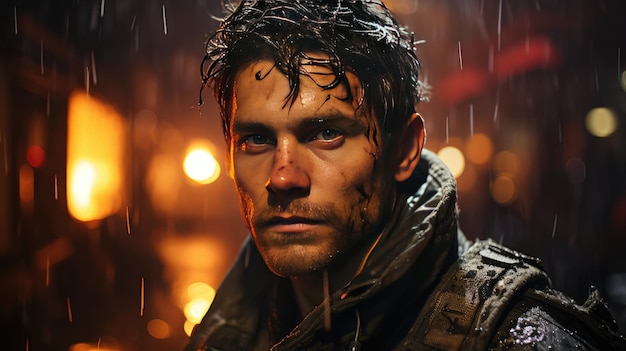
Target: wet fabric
387	305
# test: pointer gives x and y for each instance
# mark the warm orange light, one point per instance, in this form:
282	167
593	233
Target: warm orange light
196	309
454	159
90	347
95	158
479	148
159	329
503	189
200	165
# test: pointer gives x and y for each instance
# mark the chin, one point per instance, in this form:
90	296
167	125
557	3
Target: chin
295	262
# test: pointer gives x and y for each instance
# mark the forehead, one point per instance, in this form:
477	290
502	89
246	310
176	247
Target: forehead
261	87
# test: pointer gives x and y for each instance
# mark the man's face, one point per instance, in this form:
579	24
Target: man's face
309	175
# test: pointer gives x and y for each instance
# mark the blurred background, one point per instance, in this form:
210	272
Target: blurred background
118	220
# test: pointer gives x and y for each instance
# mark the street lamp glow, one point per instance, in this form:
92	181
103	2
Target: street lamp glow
201	166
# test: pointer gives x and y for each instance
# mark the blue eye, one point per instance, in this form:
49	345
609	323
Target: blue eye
254	143
328	134
256	139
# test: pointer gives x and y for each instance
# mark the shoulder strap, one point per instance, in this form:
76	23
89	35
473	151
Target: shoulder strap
465	307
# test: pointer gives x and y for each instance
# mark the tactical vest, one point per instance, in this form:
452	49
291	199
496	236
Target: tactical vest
466	309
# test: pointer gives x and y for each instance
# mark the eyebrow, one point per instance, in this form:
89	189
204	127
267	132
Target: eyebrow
307	123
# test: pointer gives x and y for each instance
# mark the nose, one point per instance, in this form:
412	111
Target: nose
288	180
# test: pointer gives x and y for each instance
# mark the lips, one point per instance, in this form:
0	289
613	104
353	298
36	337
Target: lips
291	224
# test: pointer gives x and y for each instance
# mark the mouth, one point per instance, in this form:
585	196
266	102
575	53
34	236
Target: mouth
292	224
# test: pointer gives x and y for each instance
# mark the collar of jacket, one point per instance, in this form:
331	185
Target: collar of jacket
416	247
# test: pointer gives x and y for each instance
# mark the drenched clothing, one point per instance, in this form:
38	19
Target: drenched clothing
423	287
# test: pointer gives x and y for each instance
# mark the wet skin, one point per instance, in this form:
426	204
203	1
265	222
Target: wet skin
311	183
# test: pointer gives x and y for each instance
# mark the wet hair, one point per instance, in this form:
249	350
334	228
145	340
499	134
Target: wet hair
362	37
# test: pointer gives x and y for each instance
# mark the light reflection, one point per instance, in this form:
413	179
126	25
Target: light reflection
90	347
95	158
479	148
601	122
201	166
454	159
503	189
159	329
196	309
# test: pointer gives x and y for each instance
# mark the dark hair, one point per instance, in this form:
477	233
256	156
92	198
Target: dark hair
359	36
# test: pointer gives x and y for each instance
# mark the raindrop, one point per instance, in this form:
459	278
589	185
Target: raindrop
164	21
460	56
101	8
142	298
69	310
499	24
136	38
132	23
56	187
556	218
495	109
87	80
127	221
94	75
15	22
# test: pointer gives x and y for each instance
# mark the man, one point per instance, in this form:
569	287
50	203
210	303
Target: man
355	243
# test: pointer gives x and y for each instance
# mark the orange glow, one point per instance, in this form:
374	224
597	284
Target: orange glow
95	158
506	162
454	159
27	187
159	329
503	189
35	155
90	347
479	148
196	309
200	164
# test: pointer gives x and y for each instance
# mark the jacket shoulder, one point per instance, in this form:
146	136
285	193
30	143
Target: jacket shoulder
497	298
548	319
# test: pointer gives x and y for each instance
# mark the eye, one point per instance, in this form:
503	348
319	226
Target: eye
328	138
255	143
327	135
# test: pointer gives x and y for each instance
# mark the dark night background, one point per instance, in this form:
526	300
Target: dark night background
510	78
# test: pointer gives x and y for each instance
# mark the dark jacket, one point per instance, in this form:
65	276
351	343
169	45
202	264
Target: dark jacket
422	288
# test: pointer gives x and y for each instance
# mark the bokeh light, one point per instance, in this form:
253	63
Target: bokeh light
196	309
506	162
158	329
503	189
479	148
95	158
601	122
201	166
454	159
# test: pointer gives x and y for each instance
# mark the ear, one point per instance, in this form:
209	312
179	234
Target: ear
410	147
